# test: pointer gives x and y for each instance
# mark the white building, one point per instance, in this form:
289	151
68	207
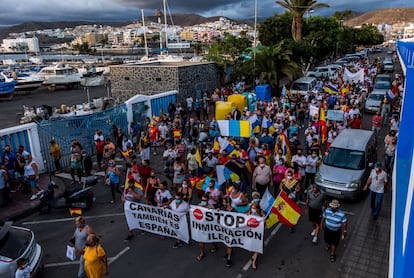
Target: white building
21	44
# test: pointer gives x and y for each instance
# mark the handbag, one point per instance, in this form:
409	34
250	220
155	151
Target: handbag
70	252
107	181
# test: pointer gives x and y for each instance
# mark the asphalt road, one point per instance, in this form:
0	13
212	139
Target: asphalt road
11	111
285	254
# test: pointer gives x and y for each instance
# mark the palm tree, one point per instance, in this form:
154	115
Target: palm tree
298	8
275	63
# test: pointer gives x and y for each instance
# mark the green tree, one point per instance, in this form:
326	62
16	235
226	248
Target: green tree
82	48
298	8
275	29
272	64
368	35
343	15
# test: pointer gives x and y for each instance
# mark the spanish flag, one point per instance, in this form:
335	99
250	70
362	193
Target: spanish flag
75	211
322	124
216	146
283	144
198	157
286	210
136	183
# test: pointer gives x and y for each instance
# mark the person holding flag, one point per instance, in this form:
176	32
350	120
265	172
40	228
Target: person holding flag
291	187
133	194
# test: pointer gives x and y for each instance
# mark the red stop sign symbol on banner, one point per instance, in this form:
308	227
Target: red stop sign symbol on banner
198	214
253	223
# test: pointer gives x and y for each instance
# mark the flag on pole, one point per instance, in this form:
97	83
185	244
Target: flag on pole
283	144
287	211
322	124
198	157
75	211
284	91
331	89
266	204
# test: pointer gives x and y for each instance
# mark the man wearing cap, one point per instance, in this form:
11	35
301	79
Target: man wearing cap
377	183
334	223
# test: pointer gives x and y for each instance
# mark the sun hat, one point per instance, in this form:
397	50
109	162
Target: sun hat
334	204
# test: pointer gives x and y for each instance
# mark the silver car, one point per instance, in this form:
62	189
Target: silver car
373	101
15	243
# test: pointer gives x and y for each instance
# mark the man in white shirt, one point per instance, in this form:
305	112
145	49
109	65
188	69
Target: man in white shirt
189	101
300	159
377	183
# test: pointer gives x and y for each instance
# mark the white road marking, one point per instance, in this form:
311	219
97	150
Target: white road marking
110	260
70	219
267	241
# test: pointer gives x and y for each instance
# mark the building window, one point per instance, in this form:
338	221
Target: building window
127	78
158	79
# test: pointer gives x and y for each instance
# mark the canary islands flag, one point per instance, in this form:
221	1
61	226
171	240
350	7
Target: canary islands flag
331	89
266	204
234	128
287	211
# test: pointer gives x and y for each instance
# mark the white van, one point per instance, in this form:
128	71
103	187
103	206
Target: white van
303	85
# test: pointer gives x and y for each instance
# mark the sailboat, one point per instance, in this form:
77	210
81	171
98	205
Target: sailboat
166	57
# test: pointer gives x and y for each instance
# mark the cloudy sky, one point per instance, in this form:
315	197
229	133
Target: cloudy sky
123	10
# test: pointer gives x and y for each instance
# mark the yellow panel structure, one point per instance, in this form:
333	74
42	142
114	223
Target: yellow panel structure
222	109
238	100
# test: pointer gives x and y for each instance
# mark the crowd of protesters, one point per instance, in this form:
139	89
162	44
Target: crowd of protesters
282	154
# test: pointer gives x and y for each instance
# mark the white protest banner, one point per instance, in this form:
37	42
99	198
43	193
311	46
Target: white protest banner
156	220
231	228
313	111
335	115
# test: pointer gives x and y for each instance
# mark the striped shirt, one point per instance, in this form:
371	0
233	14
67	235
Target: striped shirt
334	220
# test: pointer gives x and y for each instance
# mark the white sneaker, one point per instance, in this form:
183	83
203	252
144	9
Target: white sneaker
315	240
40	192
34	197
313	233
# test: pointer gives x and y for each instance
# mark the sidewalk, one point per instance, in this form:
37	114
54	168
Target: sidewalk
22	204
367	252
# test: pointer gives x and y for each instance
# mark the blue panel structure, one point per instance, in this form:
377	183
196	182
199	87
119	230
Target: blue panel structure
402	230
15	140
263	92
158	104
82	128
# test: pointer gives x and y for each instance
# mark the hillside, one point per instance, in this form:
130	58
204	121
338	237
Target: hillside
178	19
389	16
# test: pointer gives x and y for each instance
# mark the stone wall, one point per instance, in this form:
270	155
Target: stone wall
149	79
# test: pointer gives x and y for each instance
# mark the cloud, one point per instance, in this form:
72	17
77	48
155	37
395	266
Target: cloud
125	10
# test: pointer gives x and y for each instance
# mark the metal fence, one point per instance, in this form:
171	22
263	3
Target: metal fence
82	129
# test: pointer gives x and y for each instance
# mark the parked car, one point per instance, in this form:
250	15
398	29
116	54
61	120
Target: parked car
343	61
383	77
345	169
388	66
303	85
382	86
373	101
321	72
15	243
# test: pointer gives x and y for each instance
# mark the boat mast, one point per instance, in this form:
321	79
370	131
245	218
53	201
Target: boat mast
158	14
165	25
145	33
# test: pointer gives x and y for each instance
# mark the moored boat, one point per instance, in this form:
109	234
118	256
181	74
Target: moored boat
59	75
6	88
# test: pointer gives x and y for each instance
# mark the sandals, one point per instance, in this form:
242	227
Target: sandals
200	257
332	258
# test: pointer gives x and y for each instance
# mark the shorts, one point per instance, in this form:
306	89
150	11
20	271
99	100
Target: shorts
332	237
33	183
315	215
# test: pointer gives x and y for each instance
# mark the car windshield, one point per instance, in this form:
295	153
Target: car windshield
376	96
382	86
14	243
344	158
300	86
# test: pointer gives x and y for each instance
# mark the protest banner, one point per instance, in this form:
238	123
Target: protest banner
231	228
335	115
161	221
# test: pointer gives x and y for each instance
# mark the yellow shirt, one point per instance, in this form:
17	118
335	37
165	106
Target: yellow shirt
94	264
55	151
